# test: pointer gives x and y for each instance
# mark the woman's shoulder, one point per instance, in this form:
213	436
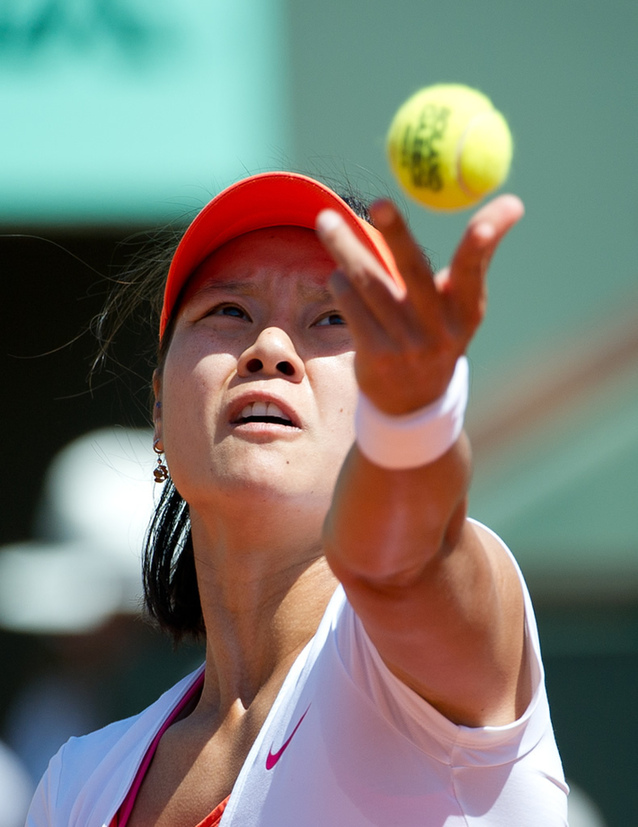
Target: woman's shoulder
102	764
147	721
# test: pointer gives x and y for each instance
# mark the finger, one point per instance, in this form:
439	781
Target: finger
360	271
367	329
411	261
350	254
464	283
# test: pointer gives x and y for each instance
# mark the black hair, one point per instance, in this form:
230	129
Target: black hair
171	593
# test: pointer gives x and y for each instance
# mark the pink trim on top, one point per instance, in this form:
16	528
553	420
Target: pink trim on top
123	814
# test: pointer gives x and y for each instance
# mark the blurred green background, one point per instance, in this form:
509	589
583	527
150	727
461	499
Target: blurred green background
117	117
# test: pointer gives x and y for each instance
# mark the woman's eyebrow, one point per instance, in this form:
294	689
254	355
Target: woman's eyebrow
315	292
308	291
245	288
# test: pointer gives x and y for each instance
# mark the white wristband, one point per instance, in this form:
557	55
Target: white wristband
418	438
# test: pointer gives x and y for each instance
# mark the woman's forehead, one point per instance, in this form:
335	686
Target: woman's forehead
267	253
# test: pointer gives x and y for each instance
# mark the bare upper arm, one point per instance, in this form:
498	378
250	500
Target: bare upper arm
453	632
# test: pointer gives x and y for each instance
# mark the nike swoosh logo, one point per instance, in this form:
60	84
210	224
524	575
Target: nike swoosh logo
273	757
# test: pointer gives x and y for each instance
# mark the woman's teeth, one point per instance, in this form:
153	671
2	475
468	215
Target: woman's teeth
264	410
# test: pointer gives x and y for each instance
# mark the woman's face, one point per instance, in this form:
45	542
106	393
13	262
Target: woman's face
258	391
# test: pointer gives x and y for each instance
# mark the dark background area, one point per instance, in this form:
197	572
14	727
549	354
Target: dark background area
53	286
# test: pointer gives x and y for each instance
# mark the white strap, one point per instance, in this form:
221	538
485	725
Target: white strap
417	438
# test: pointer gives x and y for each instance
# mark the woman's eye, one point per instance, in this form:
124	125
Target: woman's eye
331	319
229	310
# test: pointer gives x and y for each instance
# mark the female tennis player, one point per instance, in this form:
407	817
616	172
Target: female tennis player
371	652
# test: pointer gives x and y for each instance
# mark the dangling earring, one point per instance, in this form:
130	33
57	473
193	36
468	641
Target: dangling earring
161	472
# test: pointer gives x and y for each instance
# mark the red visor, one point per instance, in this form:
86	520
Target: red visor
271	199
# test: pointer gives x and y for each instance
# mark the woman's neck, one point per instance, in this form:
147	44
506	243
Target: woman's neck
262	595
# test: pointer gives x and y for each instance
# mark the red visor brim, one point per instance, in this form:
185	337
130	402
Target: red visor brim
272	199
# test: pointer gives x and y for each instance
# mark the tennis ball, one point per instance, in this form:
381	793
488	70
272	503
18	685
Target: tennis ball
448	147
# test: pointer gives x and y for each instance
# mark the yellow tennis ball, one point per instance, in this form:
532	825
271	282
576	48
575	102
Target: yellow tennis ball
449	147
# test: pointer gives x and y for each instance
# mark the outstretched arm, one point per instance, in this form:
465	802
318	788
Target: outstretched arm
438	596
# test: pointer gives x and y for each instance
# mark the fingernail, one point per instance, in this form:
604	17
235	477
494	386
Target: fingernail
328	220
484	231
383	212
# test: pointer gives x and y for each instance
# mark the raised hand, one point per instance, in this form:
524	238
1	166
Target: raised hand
408	337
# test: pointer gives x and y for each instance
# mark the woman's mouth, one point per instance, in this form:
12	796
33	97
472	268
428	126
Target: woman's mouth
263	412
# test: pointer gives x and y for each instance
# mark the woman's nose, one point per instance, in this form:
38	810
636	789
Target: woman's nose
272	353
